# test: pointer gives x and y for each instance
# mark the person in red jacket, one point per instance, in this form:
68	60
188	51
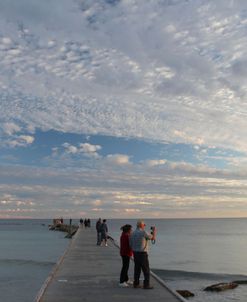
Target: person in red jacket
126	253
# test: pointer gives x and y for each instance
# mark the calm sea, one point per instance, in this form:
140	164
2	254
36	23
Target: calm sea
27	255
188	254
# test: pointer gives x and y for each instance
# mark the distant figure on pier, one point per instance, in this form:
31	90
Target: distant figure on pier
85	223
104	231
81	222
98	229
139	244
126	253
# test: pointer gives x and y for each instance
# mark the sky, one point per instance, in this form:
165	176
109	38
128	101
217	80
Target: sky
123	108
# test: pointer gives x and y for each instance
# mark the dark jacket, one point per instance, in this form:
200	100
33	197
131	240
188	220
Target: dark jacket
103	228
98	226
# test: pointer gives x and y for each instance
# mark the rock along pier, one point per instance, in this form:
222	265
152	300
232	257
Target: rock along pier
90	273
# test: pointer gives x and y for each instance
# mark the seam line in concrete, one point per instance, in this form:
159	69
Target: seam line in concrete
54	270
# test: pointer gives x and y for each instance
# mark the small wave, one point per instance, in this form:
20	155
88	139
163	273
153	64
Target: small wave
11	223
26	222
26	262
175	274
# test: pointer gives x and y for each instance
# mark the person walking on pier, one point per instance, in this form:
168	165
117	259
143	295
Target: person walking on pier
104	231
139	244
98	227
126	253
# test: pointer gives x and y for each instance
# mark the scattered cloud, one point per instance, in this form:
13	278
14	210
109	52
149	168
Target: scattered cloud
97	209
20	141
11	128
69	148
90	150
12	203
118	159
155	162
132	210
97	202
86	149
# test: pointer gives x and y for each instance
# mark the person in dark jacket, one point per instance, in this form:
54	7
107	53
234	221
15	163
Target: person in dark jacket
126	253
98	229
104	231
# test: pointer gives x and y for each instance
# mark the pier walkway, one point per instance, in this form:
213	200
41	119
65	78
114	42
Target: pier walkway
90	273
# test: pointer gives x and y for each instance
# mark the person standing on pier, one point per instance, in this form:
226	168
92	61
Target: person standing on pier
85	222
139	244
98	227
126	253
104	231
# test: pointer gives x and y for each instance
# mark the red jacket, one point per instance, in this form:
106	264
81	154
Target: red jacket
125	249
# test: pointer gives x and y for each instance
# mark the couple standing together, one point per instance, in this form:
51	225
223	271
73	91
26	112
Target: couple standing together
135	243
102	230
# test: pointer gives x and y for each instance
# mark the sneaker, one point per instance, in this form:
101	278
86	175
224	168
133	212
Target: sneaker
124	284
137	286
148	287
129	282
106	244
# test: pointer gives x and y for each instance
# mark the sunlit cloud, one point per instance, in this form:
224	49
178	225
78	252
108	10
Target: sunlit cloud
86	149
90	150
97	202
69	148
118	159
20	141
155	162
98	209
132	210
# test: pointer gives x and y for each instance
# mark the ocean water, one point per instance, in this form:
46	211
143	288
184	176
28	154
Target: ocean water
188	254
27	255
195	253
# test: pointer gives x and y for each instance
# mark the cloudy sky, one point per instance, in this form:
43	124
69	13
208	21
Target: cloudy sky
123	108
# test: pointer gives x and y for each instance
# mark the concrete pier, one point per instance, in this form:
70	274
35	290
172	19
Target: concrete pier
88	272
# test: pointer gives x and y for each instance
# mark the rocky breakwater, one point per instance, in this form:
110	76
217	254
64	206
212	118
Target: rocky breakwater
58	225
221	286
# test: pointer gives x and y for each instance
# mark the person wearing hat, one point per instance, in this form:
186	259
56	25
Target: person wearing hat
139	244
